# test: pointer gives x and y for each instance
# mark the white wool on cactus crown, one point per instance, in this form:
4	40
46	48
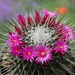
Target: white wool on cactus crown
41	34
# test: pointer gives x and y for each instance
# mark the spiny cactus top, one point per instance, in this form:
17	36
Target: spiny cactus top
40	39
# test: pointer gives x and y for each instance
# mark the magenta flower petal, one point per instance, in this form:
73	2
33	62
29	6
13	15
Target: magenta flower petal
49	13
28	53
22	21
11	33
43	54
37	17
29	20
43	20
18	30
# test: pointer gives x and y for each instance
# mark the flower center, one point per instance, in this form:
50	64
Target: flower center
68	33
61	47
14	41
49	13
43	54
16	51
29	53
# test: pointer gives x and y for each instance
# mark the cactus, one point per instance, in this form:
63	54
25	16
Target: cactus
40	45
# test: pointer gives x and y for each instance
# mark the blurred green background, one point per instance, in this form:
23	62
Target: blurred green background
30	5
22	6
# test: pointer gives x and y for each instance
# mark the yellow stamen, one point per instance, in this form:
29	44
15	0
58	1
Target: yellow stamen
29	53
60	47
14	41
68	33
16	51
43	53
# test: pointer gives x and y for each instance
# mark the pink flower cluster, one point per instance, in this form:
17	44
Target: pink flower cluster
40	53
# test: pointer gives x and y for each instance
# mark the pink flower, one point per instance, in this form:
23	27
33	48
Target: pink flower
43	54
28	53
61	47
14	39
68	33
16	50
49	13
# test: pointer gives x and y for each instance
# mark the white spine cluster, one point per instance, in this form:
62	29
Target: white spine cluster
40	34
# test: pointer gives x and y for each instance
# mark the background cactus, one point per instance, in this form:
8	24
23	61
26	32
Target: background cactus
44	35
